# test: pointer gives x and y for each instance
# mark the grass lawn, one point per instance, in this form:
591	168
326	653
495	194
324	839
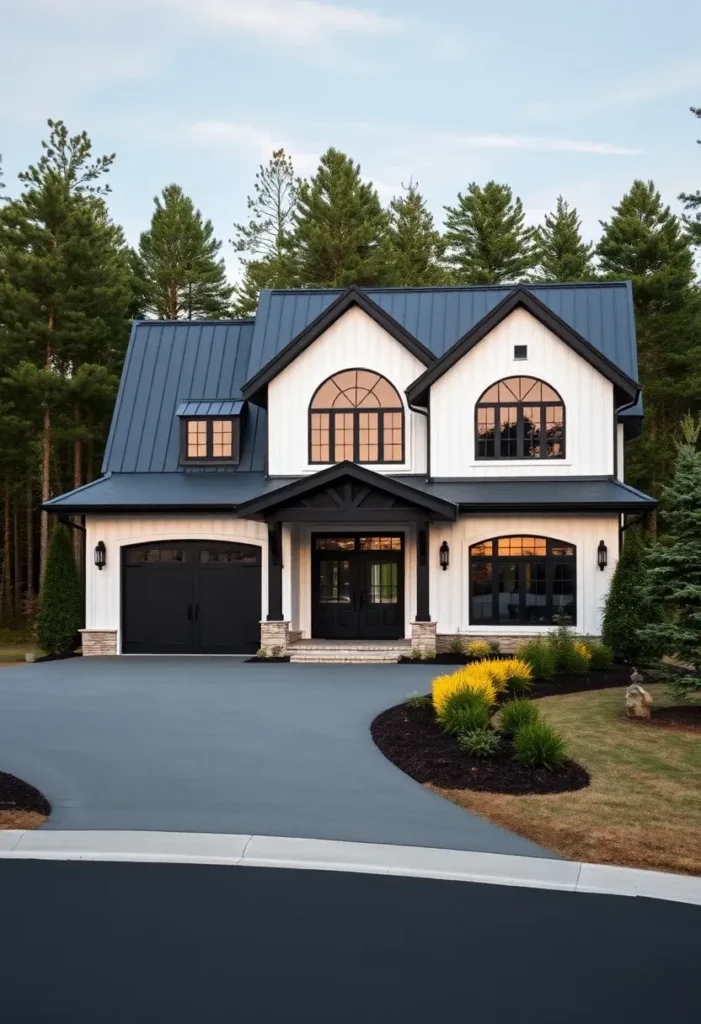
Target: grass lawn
12	653
643	807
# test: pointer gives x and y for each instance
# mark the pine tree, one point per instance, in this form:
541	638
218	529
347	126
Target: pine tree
61	613
180	272
487	242
627	607
645	243
692	201
64	286
675	562
340	227
257	274
562	254
414	246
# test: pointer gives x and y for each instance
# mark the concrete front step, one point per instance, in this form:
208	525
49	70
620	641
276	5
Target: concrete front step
351	654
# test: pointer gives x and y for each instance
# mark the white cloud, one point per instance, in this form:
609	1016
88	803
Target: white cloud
296	22
259	141
545	144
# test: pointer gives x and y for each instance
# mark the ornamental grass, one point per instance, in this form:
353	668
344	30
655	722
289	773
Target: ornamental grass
487	678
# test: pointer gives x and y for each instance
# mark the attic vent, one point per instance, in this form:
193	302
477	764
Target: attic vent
520	351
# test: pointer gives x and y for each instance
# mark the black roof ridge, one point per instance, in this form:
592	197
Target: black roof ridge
622	283
535	478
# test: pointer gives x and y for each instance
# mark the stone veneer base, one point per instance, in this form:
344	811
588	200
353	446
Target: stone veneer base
275	634
99	642
507	643
423	636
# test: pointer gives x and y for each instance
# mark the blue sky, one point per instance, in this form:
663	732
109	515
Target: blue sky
548	96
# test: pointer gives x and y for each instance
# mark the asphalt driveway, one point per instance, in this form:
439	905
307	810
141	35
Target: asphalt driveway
218	745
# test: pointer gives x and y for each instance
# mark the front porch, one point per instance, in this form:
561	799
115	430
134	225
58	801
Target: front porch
348	566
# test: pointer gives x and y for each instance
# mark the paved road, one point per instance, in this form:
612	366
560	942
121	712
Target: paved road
217	745
87	942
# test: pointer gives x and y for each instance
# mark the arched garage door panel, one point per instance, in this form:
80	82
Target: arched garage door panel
191	597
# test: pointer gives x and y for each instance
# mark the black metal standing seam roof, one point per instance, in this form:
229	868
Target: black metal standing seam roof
602	312
193	490
169	363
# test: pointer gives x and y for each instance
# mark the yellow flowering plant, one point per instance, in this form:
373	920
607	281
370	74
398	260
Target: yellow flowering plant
479	649
486	677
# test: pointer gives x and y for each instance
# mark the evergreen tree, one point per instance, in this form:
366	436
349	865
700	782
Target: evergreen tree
675	562
180	272
340	227
692	201
487	242
61	613
257	274
64	286
645	243
627	607
562	254
414	246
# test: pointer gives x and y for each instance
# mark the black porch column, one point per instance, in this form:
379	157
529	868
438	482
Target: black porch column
275	572
423	613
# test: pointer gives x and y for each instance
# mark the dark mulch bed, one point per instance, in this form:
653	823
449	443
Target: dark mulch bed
17	795
447	658
58	657
617	675
266	661
682	718
413	741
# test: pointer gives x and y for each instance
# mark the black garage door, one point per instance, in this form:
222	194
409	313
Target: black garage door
191	597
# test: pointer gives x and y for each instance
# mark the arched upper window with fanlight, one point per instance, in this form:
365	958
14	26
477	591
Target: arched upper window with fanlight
520	418
356	415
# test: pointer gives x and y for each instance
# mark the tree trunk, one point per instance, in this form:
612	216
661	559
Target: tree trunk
77	477
30	543
45	489
6	557
17	563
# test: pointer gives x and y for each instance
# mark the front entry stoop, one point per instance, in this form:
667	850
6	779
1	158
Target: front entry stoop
348	652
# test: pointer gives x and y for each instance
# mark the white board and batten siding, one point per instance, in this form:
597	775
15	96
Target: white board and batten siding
355	341
103	588
587	395
450	589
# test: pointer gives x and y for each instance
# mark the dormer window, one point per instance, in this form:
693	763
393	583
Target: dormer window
520	418
210	432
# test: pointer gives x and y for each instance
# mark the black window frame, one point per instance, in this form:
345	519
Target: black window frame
519	406
550	560
356	412
209	459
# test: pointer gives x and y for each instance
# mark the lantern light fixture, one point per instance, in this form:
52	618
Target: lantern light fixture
100	554
445	555
602	555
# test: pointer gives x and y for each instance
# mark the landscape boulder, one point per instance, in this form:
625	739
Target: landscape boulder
638	702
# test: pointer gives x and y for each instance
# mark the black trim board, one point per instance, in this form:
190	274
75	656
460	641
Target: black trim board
521	298
255	390
430	504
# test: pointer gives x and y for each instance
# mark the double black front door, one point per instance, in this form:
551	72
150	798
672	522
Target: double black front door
357	586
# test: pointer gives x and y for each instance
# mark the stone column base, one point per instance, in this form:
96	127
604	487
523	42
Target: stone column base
423	636
275	637
98	641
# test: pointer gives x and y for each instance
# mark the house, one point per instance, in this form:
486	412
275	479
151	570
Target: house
365	467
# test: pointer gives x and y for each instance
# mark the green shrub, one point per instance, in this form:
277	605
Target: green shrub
539	655
601	656
428	655
538	745
494	646
456	644
261	653
464	711
61	614
570	656
632	610
479	742
419	700
415	654
515	714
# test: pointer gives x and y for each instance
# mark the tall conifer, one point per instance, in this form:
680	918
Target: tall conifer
562	253
414	245
487	240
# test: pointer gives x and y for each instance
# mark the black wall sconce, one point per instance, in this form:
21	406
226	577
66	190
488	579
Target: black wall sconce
445	555
602	555
100	554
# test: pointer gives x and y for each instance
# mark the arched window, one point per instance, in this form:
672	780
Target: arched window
520	418
356	415
522	581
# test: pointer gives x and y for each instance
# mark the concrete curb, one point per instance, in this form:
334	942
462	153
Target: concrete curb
331	855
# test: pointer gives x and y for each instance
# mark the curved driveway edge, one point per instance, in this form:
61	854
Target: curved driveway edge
328	855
